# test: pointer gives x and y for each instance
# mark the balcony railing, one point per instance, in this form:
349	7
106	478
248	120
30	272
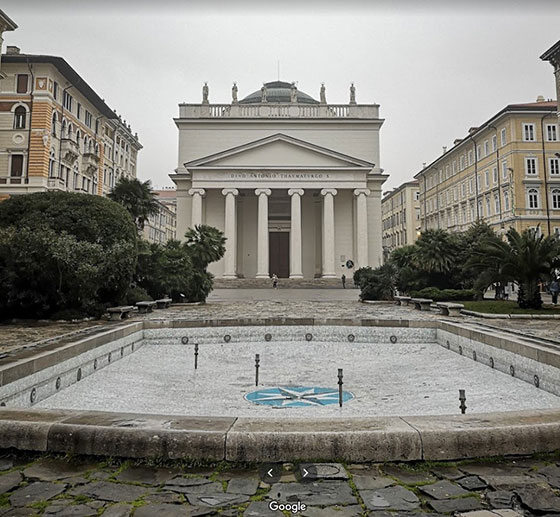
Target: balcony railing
277	110
90	162
13	180
69	150
56	184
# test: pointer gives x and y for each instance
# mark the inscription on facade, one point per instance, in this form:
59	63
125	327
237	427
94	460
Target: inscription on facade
280	175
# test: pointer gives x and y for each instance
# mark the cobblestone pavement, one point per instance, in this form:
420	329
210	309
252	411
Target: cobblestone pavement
84	487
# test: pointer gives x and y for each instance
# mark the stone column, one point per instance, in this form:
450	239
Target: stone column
328	232
262	232
230	227
296	262
362	238
197	195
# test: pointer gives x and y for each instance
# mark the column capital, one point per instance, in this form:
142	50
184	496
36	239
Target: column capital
265	191
199	191
326	191
360	191
227	191
298	191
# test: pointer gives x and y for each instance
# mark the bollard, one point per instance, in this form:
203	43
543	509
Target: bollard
340	387
196	356
463	399
257	361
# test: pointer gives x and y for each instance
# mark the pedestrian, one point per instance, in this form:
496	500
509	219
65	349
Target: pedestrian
343	278
554	289
274	280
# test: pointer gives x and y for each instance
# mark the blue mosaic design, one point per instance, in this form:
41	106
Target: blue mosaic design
297	396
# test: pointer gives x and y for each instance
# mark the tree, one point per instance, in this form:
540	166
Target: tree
379	283
205	244
137	197
62	251
526	258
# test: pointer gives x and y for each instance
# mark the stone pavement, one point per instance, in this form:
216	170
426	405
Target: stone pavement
84	487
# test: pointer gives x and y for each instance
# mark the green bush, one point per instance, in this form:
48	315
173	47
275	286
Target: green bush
62	251
445	295
379	283
137	294
362	276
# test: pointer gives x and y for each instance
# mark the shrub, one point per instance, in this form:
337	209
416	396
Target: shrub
62	251
137	294
379	283
362	276
445	295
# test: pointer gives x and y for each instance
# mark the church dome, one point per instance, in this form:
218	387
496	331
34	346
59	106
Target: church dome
278	91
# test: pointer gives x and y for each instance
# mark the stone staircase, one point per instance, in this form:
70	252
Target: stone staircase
283	283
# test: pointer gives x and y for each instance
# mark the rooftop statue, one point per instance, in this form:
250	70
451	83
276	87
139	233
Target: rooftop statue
205	93
293	93
263	93
352	94
323	95
234	93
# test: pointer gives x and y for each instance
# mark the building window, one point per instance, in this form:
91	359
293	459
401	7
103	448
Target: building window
503	139
416	195
487	178
533	198
470	157
471	186
51	164
552	132
488	208
494	143
486	148
530	166
16	168
454	167
536	230
556	198
67	101
88	119
506	200
462	163
554	166
55	90
20	116
496	203
504	170
529	132
22	83
79	111
53	124
495	175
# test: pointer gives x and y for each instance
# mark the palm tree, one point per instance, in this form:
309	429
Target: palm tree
137	197
436	252
527	258
205	244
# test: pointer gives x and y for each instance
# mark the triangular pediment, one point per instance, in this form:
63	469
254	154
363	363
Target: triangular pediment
279	151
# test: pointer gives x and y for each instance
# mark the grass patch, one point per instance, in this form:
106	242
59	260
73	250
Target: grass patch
40	505
260	495
507	307
4	500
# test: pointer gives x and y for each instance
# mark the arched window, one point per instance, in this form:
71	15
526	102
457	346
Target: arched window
506	200
63	129
78	138
496	203
51	164
90	146
556	198
20	117
533	198
54	120
85	144
97	149
70	131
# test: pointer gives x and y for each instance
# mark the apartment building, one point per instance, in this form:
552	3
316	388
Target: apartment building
400	211
56	132
505	172
161	227
6	24
552	55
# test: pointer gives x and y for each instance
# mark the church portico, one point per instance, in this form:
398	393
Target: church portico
287	206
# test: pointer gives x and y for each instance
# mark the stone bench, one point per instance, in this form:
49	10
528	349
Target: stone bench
164	303
120	313
422	304
145	307
450	309
402	300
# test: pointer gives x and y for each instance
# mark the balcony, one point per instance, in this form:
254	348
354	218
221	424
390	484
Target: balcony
56	184
90	163
13	180
279	111
69	151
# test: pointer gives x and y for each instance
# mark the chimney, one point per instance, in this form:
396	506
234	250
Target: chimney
540	98
12	49
472	130
423	165
457	141
444	149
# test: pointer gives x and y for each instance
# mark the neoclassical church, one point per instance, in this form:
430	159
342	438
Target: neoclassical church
293	182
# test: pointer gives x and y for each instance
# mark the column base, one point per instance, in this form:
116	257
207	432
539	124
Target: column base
296	276
329	275
228	276
262	276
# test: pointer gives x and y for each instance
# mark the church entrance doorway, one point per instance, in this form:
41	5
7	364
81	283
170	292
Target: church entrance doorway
279	254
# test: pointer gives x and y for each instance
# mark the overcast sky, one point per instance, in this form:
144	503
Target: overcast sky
435	71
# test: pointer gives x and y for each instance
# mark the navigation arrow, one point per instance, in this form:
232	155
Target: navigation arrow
269	473
305	471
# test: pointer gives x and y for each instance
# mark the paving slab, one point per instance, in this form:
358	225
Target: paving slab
452	473
493	513
551	474
456	505
261	509
162	510
472	483
9	481
392	498
210	487
75	510
118	510
511	482
317	471
216	500
247	486
164	498
354	510
443	490
371	482
539	500
39	491
320	493
147	475
6	464
107	491
407	476
500	499
50	469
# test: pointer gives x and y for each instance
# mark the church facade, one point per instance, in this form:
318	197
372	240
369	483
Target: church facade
294	183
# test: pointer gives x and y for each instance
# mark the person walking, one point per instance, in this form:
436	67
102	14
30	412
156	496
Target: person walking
343	278
554	289
274	280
